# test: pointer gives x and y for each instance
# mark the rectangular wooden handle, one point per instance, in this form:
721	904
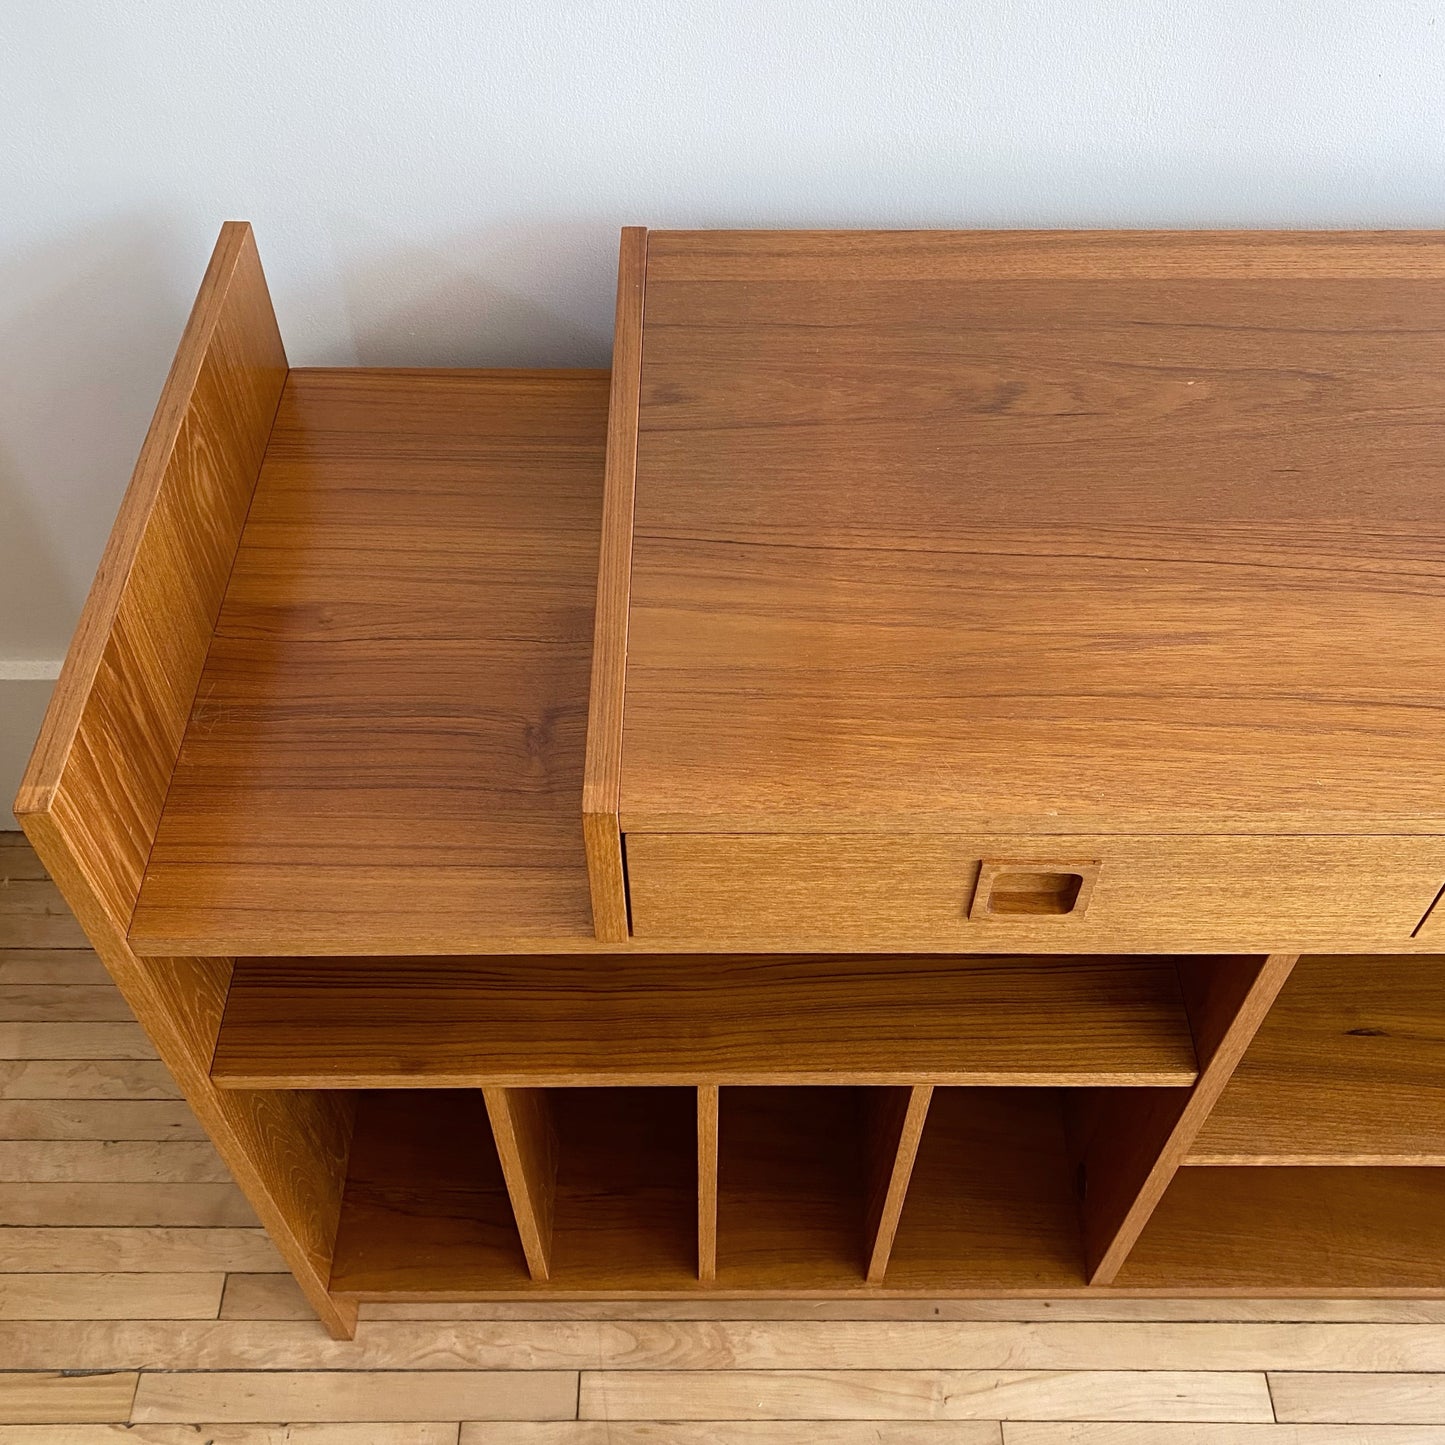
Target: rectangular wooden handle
1033	888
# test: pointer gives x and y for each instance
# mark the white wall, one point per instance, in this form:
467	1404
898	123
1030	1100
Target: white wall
441	181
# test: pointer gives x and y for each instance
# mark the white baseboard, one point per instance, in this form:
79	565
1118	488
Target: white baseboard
22	705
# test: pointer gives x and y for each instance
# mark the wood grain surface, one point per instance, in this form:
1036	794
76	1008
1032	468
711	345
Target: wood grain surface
1103	532
1345	1069
912	891
792	1185
991	1204
93	794
446	1023
893	1123
708	1110
426	1200
385	752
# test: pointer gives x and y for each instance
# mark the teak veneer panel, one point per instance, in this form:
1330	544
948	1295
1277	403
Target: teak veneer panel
893	1126
526	1144
792	1189
1348	1067
94	791
386	749
1111	533
426	1198
522	1022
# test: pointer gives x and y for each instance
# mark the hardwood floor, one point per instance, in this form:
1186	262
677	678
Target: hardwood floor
140	1302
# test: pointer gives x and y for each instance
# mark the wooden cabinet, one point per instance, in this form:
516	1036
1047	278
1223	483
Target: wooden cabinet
832	807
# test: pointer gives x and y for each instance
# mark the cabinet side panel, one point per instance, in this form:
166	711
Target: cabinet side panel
92	796
114	728
602	779
287	1149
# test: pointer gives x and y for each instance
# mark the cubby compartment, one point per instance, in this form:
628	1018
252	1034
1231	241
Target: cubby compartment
1348	1067
626	1214
425	1209
992	1202
609	1193
791	1188
1302	1230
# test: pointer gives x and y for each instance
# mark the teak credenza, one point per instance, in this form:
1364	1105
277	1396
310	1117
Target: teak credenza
926	780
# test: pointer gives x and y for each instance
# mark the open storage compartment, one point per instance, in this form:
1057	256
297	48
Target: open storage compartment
626	1216
594	1188
1347	1068
993	1202
425	1208
1326	1231
790	1188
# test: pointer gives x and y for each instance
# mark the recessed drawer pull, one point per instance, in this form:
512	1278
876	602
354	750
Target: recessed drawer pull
1009	888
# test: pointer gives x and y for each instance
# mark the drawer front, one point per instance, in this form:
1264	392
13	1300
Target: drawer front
1064	894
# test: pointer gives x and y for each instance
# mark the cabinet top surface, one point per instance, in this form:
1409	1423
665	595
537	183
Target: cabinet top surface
1119	532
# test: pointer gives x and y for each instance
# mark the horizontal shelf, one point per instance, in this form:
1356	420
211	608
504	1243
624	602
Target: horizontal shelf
455	1022
1347	1068
1368	1231
385	752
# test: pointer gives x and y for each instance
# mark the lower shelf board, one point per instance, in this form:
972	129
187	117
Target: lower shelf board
1358	1230
732	1019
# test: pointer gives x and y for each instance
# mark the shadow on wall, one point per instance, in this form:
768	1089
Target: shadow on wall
442	304
88	324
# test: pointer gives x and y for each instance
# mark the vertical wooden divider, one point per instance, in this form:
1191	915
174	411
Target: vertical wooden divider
893	1126
708	1102
527	1147
1130	1142
602	768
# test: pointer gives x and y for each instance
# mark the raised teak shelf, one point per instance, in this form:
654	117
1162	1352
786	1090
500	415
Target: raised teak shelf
1108	563
831	807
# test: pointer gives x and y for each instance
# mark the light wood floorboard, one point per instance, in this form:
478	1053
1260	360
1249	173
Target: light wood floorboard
371	1433
1403	1399
140	1303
